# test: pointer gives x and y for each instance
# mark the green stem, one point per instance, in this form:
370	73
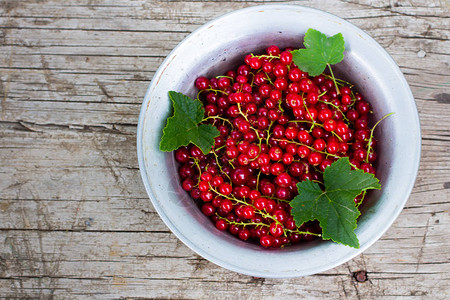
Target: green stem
210	90
339	80
266	225
268	78
219	118
323	93
251	127
336	107
334	79
268	133
309	147
312	120
262	213
240	111
318	124
257	180
369	149
242	223
199	169
270	57
303	232
280	107
218	163
224	76
362	199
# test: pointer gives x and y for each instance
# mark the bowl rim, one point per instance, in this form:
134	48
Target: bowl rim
210	256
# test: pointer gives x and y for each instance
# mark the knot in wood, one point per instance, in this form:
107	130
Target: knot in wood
360	276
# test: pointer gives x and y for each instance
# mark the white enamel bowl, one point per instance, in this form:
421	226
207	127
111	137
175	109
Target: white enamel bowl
221	44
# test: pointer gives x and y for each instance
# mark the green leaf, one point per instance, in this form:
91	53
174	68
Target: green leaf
320	51
334	206
183	127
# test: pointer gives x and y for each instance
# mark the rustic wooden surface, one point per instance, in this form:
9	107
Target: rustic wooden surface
75	220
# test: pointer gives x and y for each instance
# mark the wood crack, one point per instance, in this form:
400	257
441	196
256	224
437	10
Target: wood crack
49	127
83	230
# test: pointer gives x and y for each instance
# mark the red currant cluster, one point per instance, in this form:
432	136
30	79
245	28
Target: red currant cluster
278	126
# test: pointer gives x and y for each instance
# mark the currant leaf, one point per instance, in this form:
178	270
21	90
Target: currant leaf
183	127
320	51
334	206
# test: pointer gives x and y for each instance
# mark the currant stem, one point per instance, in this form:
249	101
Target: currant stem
334	79
242	114
270	57
318	124
309	114
268	78
336	107
321	94
242	223
218	118
224	76
218	163
309	147
340	80
369	149
362	198
266	225
262	213
199	169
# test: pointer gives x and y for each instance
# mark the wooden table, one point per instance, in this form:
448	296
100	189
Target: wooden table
75	220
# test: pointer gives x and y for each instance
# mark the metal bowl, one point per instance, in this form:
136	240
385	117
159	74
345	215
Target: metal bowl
221	44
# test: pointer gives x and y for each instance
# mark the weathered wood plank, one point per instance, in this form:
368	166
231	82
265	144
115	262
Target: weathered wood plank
104	256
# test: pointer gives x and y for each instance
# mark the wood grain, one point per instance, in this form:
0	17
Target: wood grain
75	220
